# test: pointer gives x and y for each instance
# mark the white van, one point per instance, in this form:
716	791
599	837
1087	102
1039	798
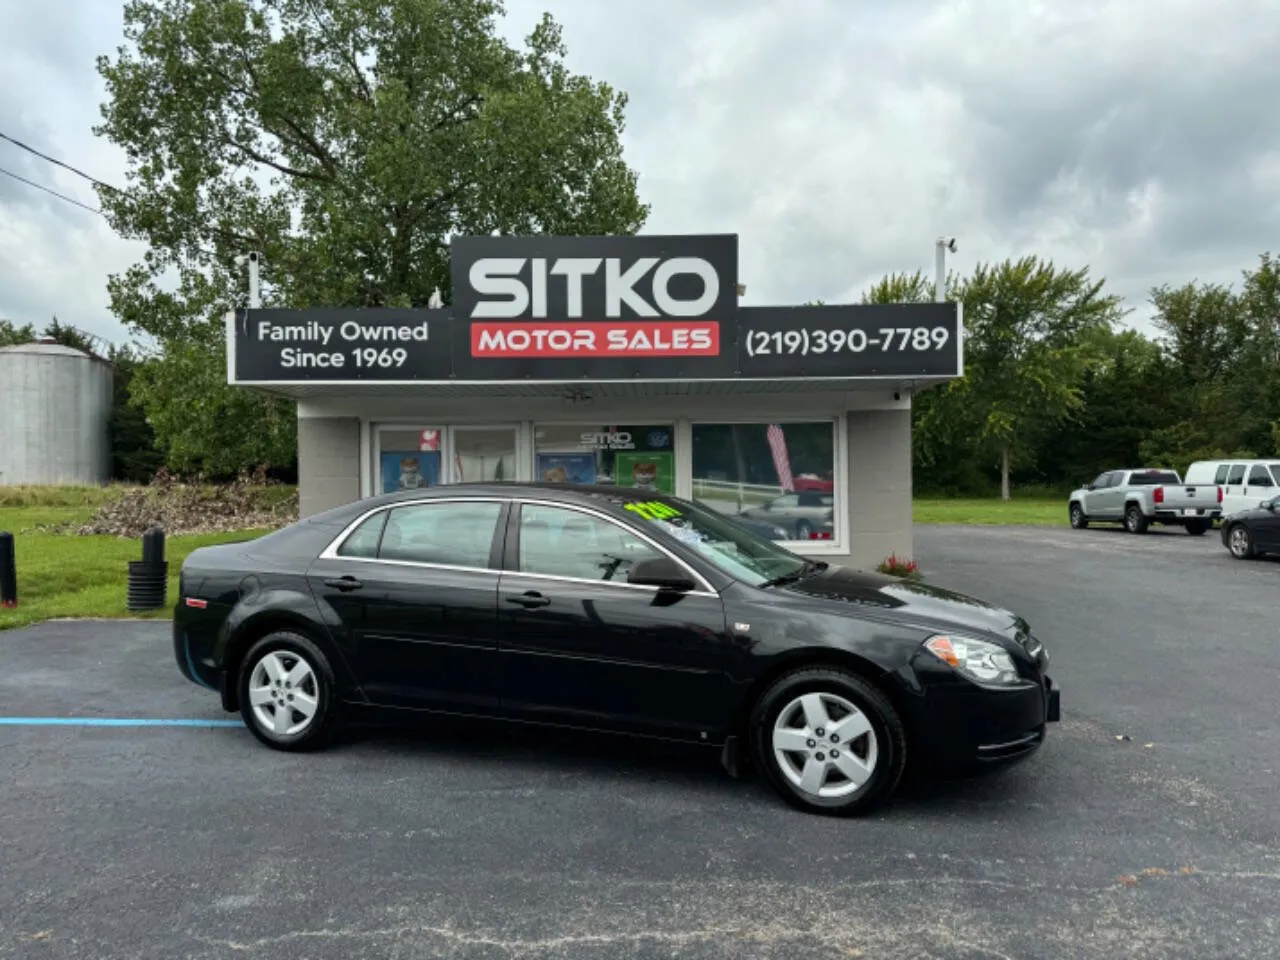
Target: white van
1245	483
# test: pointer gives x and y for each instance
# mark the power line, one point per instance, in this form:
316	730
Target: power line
55	193
66	166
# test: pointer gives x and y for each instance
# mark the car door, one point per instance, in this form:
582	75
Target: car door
1233	497
578	644
1266	527
1102	500
413	591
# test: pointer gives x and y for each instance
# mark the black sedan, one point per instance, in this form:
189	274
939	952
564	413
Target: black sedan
1253	532
609	609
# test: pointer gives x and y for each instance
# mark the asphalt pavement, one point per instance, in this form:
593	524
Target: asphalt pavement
481	842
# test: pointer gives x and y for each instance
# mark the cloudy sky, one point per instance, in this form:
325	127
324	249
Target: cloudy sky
838	138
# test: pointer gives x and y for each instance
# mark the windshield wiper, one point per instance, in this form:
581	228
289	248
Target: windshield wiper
809	567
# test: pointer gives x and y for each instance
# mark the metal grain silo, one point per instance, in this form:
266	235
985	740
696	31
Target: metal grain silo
55	408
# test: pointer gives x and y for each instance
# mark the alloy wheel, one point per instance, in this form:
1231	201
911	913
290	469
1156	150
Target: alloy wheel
284	693
1239	542
824	745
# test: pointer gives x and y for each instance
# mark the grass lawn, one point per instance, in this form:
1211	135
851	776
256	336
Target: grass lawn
1033	512
61	575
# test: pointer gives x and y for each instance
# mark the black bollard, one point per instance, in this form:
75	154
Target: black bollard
8	572
149	577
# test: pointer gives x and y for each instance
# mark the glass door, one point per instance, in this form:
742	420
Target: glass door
483	454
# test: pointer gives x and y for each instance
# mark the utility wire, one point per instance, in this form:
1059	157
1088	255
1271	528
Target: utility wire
54	193
66	166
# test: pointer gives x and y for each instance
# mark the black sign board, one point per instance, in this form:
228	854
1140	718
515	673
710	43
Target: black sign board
573	309
871	340
277	346
550	308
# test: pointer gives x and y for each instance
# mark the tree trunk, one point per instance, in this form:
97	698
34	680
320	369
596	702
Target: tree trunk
1004	473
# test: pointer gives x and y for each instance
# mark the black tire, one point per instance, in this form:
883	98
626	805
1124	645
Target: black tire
890	739
1076	514
1198	528
803	529
1240	542
1134	519
325	721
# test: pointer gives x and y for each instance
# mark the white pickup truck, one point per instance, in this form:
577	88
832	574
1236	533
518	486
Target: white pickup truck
1138	498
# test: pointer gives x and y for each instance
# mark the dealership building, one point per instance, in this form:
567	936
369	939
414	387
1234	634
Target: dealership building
622	361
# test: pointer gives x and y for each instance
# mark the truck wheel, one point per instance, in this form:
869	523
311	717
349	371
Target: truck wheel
1134	519
1197	528
1078	520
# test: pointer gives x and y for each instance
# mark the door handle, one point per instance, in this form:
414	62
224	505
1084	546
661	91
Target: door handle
345	584
529	599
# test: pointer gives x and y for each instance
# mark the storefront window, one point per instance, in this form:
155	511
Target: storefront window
776	479
409	459
636	456
483	453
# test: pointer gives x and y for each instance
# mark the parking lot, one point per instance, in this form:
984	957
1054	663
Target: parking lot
1146	827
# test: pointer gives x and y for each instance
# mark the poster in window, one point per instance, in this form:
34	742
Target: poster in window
567	467
652	471
409	470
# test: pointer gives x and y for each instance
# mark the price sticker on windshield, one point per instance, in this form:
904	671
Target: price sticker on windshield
653	509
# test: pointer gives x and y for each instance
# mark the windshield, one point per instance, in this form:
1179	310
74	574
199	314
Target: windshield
734	549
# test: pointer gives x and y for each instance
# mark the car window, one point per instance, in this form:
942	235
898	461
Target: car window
1237	473
1152	478
785	502
1275	472
1221	475
1101	480
1259	476
814	499
559	542
363	541
458	533
1114	479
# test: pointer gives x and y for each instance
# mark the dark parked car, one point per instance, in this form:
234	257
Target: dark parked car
1253	532
807	515
604	608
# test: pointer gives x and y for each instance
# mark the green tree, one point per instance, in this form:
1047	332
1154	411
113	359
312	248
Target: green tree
11	335
346	140
1031	335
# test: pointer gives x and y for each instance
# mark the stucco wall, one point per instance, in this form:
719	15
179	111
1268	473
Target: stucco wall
328	463
879	493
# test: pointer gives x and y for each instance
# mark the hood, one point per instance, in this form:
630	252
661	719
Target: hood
893	598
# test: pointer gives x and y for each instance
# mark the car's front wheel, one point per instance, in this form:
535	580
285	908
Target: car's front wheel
1239	542
1078	520
287	692
828	741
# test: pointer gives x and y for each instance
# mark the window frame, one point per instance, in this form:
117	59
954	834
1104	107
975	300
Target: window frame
496	543
842	507
511	551
671	424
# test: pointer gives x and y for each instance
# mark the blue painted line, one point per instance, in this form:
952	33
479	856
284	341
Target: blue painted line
111	722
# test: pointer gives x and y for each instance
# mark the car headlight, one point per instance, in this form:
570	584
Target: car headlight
979	660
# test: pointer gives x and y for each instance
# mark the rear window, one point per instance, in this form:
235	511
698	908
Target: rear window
1152	478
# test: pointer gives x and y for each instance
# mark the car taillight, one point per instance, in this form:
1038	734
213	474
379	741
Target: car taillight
1159	494
1219	494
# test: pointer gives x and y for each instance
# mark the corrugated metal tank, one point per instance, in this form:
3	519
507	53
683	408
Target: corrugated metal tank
55	410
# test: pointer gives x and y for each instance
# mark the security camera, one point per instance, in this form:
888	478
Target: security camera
948	242
255	256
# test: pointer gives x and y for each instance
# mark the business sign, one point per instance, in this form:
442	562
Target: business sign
869	340
574	309
271	345
605	307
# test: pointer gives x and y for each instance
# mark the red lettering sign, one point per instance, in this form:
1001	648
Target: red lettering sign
700	338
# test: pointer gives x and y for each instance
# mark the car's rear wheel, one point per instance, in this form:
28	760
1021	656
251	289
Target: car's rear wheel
828	741
1078	520
1134	520
287	692
1197	528
1240	542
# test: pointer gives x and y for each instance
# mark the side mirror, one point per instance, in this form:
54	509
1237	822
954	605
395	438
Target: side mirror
1092	486
661	572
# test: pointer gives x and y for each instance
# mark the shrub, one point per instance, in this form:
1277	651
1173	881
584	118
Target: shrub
896	566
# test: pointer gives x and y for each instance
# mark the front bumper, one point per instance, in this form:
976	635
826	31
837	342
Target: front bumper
958	722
